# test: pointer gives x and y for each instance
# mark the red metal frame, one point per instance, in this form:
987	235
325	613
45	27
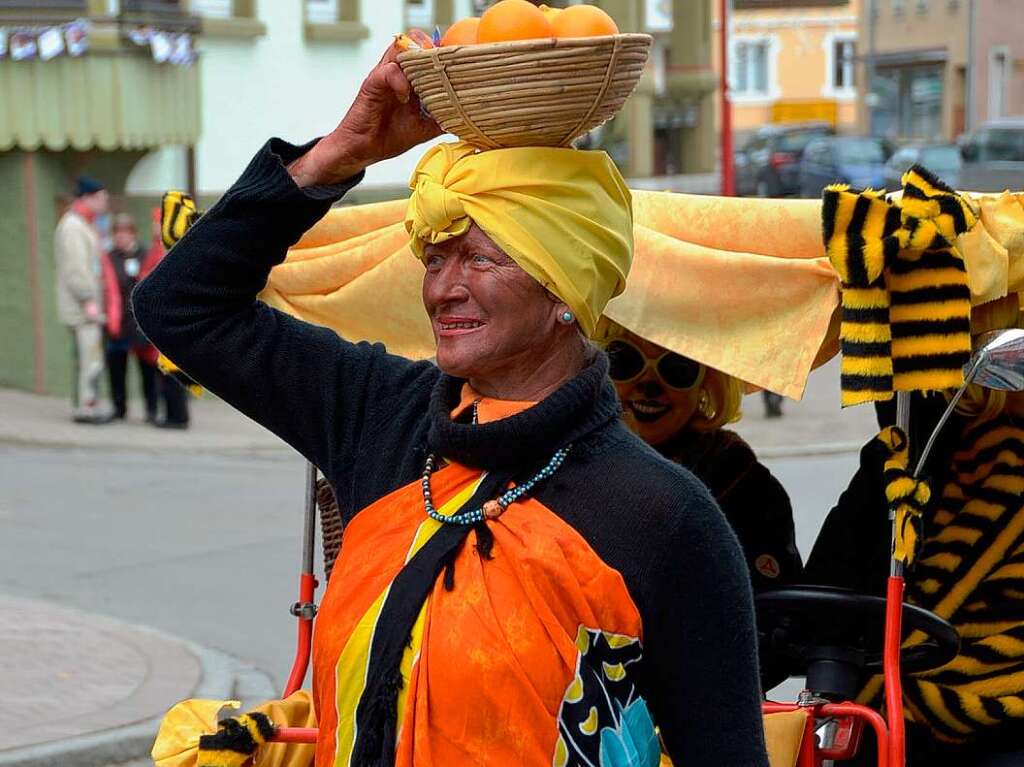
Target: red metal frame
307	589
810	755
891	666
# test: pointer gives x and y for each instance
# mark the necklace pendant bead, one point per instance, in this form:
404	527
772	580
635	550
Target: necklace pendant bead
493	509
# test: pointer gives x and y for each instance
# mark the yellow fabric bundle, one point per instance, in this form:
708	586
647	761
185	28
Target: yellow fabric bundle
563	215
177	742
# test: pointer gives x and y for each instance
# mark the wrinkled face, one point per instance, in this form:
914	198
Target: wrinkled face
652	408
488	315
124	238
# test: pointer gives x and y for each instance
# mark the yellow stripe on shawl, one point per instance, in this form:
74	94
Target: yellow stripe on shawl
356	655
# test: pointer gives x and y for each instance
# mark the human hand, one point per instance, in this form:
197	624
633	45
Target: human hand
92	311
384	121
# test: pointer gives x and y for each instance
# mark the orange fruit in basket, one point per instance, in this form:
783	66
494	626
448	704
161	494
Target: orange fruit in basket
509	20
583	21
462	32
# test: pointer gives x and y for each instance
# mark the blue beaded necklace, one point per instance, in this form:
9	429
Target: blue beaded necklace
496	507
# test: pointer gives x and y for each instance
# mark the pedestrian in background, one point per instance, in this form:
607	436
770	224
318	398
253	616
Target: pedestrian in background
174	395
78	253
123	267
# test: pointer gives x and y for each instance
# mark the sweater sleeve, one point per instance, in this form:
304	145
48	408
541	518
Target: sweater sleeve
700	645
199	307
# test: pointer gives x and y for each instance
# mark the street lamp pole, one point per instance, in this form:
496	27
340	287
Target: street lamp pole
728	170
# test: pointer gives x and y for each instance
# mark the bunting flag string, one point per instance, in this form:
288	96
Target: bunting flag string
46	42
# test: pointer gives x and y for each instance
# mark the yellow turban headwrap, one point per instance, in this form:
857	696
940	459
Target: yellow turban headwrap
565	216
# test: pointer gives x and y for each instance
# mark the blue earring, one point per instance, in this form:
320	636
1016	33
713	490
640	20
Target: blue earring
567	317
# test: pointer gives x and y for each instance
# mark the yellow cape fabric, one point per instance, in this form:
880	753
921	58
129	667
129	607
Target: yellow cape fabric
177	741
563	215
742	285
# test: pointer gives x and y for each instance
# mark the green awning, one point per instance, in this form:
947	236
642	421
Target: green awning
105	101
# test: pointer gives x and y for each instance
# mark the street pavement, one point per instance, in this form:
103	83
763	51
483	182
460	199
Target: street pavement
145	566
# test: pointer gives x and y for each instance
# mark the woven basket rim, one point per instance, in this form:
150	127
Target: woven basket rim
520	46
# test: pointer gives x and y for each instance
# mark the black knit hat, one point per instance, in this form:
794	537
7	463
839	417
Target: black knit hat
85	185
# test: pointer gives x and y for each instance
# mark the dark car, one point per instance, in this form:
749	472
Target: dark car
941	159
855	160
768	164
993	156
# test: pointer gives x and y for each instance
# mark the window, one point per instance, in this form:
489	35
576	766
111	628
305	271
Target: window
841	58
750	62
229	18
898	8
335	21
922	7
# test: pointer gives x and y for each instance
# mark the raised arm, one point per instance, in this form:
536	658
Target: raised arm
199	306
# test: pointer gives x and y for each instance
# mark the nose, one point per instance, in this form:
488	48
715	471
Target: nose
444	286
649	388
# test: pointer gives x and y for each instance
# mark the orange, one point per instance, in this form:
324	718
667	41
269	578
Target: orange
512	20
462	32
583	21
549	12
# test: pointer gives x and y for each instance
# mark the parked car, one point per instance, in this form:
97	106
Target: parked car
768	164
855	160
993	156
941	159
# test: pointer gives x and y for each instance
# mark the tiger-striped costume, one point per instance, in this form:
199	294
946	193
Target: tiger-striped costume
972	573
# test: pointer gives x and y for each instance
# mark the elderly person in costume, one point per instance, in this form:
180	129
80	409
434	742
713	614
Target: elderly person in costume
522	581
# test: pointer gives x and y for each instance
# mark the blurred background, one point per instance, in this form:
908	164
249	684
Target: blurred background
140	565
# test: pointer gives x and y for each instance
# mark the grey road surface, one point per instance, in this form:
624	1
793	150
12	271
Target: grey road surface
200	546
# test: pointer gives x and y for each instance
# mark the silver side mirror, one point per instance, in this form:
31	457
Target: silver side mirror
998	363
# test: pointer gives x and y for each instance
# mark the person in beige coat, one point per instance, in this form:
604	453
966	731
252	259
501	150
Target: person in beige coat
78	253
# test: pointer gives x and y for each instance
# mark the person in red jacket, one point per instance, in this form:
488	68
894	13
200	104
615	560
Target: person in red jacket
123	267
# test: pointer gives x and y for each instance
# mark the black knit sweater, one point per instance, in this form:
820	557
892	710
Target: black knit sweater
367	419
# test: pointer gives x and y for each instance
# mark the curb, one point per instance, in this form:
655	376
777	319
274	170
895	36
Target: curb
223	677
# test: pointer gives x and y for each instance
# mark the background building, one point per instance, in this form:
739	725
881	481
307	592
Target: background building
792	60
67	112
922	85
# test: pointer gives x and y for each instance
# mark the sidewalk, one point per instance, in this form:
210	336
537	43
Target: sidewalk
89	691
31	419
816	425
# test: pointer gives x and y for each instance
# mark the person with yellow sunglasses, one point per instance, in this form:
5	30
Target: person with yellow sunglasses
679	407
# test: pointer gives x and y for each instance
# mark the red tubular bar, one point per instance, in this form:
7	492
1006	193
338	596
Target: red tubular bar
295	735
307	586
891	665
872	717
882	731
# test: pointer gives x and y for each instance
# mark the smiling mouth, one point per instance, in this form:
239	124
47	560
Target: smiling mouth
648	410
457	327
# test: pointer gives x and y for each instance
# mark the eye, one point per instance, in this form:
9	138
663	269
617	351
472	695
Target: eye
434	261
479	259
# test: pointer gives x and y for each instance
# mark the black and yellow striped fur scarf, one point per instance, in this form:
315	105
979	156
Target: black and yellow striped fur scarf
906	302
971	573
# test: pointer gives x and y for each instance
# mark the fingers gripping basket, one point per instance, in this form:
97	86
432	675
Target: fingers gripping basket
527	93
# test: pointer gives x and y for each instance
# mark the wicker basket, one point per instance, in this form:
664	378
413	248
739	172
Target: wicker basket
527	93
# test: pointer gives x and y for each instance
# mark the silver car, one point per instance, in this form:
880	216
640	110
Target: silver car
943	160
993	156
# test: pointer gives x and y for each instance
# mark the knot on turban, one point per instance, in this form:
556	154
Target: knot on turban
565	216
